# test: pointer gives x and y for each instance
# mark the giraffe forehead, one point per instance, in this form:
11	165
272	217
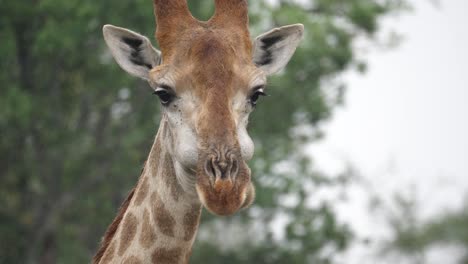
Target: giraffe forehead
208	63
203	34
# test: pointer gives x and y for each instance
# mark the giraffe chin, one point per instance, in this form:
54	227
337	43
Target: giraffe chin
225	197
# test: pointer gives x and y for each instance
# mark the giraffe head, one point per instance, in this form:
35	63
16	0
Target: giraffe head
208	77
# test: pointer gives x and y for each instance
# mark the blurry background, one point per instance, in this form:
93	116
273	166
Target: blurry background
361	150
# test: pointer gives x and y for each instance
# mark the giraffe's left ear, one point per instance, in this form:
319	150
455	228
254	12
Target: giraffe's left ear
274	49
132	51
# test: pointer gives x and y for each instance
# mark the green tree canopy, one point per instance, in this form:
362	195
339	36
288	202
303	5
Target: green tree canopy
413	237
75	129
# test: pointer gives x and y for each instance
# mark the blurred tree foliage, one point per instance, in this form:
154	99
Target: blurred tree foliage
75	130
413	237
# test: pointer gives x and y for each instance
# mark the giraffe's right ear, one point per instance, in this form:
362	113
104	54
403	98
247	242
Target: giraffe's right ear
132	51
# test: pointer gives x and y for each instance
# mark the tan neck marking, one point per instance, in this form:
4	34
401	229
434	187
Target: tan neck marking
158	221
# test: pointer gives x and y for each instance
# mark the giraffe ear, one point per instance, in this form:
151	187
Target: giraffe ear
274	49
132	51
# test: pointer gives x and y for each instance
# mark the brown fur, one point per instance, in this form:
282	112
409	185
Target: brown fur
191	220
128	231
166	256
109	254
112	229
171	182
156	149
224	198
142	191
230	13
163	219
132	260
147	235
172	16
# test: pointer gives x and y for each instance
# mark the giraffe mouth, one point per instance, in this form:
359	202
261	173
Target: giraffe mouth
221	191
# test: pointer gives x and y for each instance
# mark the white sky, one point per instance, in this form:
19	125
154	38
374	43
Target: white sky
406	120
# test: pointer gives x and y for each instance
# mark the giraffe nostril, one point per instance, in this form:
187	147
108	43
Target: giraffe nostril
221	167
234	168
210	169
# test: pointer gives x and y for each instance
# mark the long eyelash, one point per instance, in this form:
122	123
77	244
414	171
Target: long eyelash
260	89
263	93
164	86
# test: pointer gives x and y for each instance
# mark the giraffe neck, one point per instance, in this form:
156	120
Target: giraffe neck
161	219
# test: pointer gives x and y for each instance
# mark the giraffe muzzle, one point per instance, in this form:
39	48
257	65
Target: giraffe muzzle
223	182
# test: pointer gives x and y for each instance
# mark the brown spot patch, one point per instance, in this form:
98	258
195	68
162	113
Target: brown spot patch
166	256
191	220
132	260
142	191
110	233
128	232
155	156
162	217
147	235
170	178
109	255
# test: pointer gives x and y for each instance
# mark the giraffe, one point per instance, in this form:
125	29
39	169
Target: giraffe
208	76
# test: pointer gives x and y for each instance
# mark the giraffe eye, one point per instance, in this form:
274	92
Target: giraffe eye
258	91
165	94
